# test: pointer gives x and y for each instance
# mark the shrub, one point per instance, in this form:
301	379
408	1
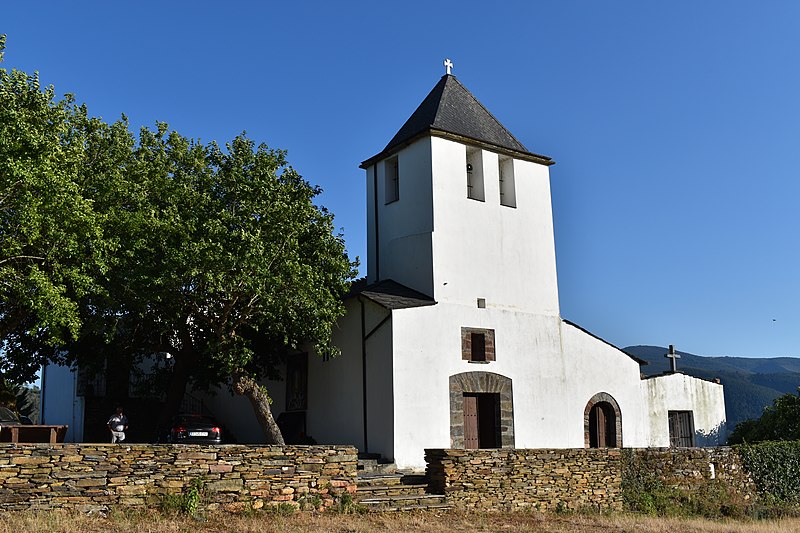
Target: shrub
186	503
775	469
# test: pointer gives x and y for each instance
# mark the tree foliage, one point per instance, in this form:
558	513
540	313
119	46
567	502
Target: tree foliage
52	249
780	421
118	247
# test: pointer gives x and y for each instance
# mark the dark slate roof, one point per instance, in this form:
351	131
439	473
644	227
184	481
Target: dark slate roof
451	109
574	325
389	294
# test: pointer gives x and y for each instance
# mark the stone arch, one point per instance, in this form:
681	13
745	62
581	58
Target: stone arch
606	402
481	382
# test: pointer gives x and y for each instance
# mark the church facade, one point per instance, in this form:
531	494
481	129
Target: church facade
455	339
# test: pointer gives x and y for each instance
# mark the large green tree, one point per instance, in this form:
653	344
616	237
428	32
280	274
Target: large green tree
214	261
53	252
229	263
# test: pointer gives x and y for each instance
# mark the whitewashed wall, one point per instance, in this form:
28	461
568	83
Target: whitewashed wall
482	249
679	392
555	370
404	226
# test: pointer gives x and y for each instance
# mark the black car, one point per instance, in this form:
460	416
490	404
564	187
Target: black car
194	429
10	418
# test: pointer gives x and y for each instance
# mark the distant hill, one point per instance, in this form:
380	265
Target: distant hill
750	383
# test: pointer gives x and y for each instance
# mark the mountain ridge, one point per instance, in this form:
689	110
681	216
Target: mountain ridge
750	383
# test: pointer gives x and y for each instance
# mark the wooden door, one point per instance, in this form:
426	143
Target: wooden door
470	421
602	426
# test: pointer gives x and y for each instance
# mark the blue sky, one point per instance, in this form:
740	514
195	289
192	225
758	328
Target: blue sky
674	125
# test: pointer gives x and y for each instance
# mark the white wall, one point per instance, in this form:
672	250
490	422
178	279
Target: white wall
591	366
404	226
679	392
60	403
555	370
482	249
335	395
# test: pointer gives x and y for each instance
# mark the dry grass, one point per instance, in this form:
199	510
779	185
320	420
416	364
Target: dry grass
378	523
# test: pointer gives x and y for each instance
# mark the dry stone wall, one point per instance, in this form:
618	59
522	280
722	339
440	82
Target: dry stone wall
518	479
98	476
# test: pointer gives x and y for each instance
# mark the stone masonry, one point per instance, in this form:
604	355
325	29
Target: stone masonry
92	477
518	479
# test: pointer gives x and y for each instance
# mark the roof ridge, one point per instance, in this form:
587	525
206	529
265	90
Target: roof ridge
487	111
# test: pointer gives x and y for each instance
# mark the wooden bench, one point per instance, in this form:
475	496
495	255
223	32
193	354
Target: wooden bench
33	433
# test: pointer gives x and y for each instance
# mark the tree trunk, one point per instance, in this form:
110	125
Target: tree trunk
247	387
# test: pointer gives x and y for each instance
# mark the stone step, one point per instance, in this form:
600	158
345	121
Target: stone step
405	503
373	479
370	491
376	465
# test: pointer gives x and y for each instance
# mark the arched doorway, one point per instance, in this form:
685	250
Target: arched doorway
481	411
602	422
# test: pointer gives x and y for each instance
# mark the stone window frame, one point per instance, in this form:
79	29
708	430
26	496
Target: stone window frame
481	382
607	398
466	344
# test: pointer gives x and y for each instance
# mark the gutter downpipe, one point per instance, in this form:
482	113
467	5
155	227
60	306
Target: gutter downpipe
364	371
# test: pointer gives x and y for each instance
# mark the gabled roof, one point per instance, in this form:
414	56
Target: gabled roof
574	325
389	294
450	110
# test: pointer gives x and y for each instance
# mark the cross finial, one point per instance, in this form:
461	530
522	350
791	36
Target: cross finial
673	357
448	65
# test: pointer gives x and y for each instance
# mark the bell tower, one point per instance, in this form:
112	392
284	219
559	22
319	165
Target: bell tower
460	210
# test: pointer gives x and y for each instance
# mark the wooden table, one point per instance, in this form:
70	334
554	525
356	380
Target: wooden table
33	433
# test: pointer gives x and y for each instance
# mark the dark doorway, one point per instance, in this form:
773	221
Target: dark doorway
602	426
481	420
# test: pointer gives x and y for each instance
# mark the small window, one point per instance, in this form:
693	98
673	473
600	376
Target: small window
478	348
481	303
681	429
391	180
477	345
508	196
475	174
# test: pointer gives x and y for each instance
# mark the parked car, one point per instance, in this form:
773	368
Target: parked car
194	429
10	418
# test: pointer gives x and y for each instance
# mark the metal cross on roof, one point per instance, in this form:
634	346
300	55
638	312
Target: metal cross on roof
673	357
448	65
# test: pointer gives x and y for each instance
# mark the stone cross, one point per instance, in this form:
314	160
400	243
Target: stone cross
673	357
448	65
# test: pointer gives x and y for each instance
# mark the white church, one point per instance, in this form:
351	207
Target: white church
455	338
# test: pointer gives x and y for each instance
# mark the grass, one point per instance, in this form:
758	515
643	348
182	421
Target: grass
428	522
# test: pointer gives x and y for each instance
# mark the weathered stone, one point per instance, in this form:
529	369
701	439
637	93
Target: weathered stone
224	485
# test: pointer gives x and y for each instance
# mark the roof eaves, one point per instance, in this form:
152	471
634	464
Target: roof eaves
433	132
573	324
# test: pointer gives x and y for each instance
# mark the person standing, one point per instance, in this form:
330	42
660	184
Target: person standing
118	425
